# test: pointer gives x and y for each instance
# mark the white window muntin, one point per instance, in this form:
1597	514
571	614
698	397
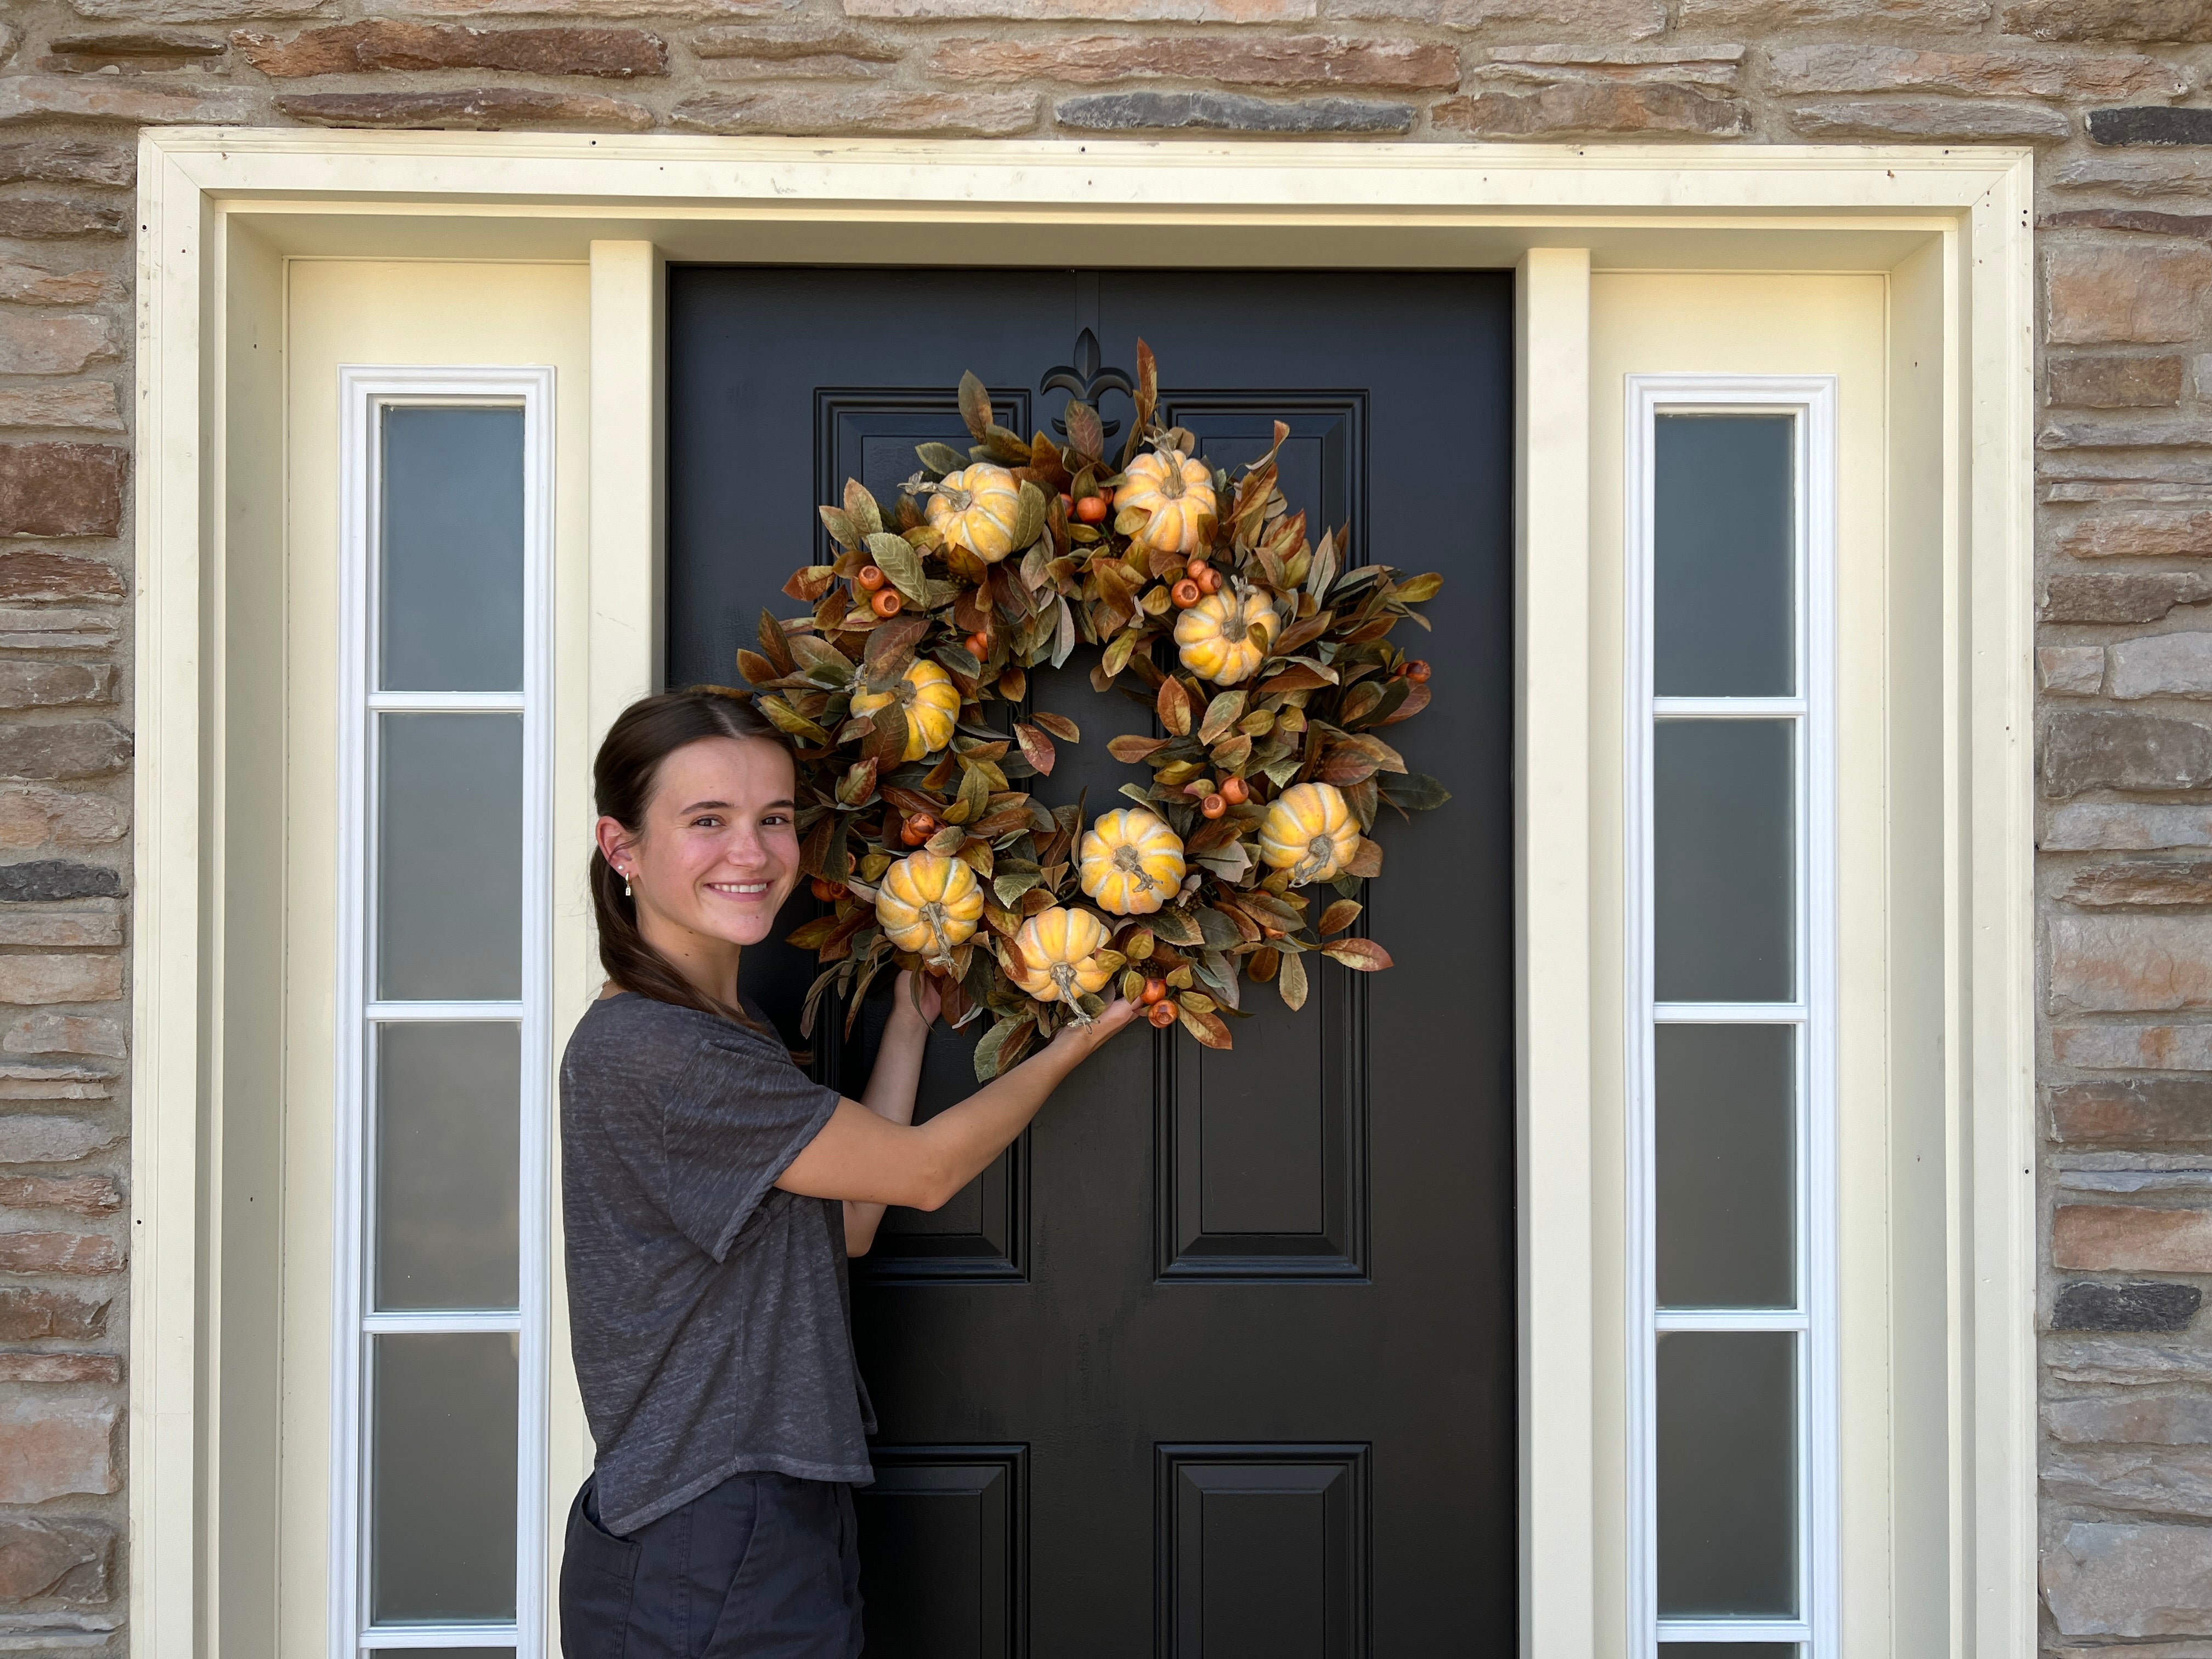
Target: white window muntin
365	394
1810	401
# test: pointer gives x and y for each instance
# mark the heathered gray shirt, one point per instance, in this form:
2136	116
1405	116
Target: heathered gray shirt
707	1307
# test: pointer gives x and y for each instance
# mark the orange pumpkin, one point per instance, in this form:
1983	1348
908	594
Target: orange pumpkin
1060	956
978	508
1174	491
1309	831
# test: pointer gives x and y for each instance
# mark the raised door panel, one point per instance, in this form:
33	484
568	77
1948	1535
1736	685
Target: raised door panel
945	1527
1263	1552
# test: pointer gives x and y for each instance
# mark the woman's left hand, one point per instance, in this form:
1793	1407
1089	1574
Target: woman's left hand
903	1001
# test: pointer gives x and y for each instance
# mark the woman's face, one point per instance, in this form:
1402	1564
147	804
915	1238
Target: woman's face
718	853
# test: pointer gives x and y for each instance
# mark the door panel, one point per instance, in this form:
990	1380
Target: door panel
1246	1319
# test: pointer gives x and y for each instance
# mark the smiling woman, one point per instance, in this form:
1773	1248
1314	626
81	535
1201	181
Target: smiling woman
723	1395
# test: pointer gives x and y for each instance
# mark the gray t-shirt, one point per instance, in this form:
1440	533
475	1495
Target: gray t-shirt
707	1307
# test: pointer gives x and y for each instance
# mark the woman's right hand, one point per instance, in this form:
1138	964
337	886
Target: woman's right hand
1076	1041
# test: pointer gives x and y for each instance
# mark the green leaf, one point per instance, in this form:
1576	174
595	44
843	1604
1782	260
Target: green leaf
839	527
1221	713
1290	981
1028	522
788	720
861	509
941	458
1416	792
1218	931
991	1053
822	662
1418	589
1177	927
896	557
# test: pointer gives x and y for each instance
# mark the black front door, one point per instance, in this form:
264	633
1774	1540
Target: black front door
1218	1360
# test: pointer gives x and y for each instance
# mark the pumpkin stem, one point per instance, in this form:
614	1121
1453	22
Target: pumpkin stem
1127	860
1063	977
933	913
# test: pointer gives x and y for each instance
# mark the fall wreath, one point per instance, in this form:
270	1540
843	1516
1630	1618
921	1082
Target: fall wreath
1267	773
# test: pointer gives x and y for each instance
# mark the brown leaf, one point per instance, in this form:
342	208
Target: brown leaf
1129	749
773	643
1364	954
1013	685
756	668
1060	725
1148	385
1299	677
1343	765
812	935
975	406
839	526
1174	706
1036	747
1207	1027
1291	983
1417	699
1339	916
1367	862
1221	713
809	582
1085	436
861	508
1263	963
885	744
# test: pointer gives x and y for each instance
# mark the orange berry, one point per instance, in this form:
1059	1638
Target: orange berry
1186	593
1092	509
1162	1016
870	578
1209	579
1154	990
1236	790
885	602
1418	671
979	646
1213	806
826	890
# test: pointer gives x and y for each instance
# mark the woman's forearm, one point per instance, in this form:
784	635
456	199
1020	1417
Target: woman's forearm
890	1095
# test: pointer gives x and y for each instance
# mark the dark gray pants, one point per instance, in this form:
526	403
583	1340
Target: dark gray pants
763	1567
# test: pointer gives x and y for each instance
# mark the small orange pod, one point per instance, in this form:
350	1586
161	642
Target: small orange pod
1209	579
1418	671
978	647
1236	790
1092	509
1155	989
825	890
1186	593
886	602
870	578
1213	806
1163	1015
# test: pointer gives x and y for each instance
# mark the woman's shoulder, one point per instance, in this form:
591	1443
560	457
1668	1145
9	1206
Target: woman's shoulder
640	1034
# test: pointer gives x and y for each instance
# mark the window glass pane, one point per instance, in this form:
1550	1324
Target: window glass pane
1724	555
1726	1166
1723	1650
449	869
449	569
448	1166
1727	1473
442	1478
1723	857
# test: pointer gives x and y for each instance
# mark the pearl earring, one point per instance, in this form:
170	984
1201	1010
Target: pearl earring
625	886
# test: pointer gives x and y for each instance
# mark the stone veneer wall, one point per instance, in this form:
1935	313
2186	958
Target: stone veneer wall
2101	86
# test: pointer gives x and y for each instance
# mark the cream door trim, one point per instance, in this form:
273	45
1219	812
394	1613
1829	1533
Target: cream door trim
220	208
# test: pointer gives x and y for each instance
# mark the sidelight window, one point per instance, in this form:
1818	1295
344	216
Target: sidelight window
444	726
1730	1045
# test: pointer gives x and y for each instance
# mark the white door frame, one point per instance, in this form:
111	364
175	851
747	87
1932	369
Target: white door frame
220	208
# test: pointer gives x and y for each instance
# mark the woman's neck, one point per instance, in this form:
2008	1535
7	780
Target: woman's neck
709	964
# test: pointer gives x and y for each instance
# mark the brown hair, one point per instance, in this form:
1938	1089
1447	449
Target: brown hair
622	777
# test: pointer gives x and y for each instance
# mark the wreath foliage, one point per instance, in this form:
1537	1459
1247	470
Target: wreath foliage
1264	657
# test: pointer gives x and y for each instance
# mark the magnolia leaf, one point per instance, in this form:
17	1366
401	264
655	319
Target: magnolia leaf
1004	447
886	742
1036	748
1197	1001
1416	792
1327	560
1002	1045
1011	885
896	557
1298	676
840	526
1207	1027
1138	794
809	582
1280	772
774	643
813	935
1029	521
858	783
1129	749
975	798
1218	932
1367	862
1117	655
1364	954
1148	385
890	648
1221	713
975	406
1177	927
941	458
1231	863
1086	434
1173	704
788	720
1418	589
1290	981
1060	725
1064	647
1416	699
946	841
823	663
1340	915
860	509
756	668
